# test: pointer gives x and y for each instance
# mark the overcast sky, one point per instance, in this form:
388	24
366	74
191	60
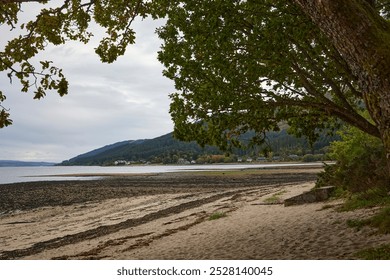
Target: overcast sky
106	103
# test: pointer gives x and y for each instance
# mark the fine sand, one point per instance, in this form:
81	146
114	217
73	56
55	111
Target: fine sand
167	216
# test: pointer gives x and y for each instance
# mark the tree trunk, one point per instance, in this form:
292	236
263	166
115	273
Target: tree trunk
362	37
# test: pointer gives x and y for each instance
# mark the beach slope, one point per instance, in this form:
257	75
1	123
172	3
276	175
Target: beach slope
204	215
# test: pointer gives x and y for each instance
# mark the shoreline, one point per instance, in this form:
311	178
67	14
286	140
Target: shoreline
168	216
9	175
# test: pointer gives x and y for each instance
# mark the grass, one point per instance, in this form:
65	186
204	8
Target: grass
357	224
380	253
373	197
217	215
275	198
381	221
272	199
370	198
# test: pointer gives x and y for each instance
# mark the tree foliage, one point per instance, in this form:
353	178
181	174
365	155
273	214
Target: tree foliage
237	65
248	65
56	24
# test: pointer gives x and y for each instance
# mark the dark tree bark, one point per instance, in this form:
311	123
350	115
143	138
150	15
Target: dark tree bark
362	37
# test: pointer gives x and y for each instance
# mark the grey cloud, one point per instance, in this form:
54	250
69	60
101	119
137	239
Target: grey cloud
106	103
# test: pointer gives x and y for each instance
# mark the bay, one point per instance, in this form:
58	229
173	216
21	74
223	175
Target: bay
60	173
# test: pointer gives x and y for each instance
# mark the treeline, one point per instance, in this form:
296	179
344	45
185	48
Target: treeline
166	150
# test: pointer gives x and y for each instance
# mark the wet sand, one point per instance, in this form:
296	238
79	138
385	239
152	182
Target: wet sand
167	216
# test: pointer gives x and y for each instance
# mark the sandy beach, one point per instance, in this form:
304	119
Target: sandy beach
205	215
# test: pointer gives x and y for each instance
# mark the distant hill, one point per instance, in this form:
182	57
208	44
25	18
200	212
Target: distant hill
165	149
96	156
15	163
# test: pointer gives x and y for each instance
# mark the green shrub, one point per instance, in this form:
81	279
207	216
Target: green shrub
358	224
360	163
312	158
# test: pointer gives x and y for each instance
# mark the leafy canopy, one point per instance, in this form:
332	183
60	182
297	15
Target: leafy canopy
250	65
237	65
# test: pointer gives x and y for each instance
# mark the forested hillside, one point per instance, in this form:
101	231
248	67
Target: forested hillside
167	150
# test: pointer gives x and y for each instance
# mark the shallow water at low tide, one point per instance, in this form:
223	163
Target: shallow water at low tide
60	173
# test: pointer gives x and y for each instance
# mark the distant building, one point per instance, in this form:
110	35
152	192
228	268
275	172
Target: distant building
121	162
183	161
293	157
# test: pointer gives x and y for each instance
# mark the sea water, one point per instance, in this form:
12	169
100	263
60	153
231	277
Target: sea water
59	173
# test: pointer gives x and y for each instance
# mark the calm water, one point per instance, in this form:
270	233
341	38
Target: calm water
53	173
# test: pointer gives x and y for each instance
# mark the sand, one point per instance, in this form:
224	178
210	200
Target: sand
139	220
